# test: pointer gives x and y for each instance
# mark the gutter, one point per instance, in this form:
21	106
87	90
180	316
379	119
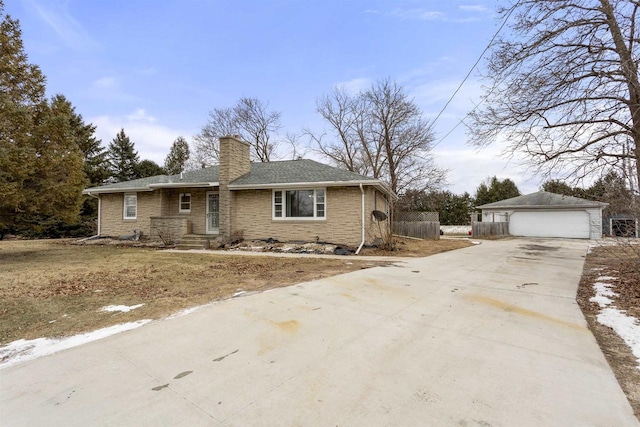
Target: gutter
184	185
306	184
92	191
363	229
150	187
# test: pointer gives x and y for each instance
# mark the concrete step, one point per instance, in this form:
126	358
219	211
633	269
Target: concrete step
185	247
193	241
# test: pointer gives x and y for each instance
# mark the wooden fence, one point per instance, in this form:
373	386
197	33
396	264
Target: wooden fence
420	230
421	225
485	229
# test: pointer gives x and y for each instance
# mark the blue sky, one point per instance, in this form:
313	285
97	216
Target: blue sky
156	68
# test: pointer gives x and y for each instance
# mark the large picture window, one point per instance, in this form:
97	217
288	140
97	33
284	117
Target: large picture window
130	206
299	204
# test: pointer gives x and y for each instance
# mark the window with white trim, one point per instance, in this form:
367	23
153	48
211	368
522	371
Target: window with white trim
130	206
185	202
299	204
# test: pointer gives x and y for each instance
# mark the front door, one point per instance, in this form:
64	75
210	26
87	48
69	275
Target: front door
213	213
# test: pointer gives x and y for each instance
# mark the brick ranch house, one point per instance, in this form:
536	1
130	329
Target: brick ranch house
297	200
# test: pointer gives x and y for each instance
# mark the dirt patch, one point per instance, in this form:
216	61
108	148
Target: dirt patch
621	262
418	248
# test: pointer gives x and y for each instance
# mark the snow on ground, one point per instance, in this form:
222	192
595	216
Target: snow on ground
627	327
455	229
23	350
122	308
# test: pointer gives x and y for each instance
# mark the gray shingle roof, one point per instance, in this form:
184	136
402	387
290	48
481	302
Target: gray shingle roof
209	174
261	174
542	199
296	171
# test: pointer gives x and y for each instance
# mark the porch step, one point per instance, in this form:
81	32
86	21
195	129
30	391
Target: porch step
194	241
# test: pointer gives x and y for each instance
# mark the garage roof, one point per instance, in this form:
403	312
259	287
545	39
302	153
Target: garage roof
543	200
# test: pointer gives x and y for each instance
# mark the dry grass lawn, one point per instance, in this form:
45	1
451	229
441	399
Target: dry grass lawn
52	288
621	261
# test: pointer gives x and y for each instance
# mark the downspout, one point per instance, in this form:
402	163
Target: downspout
99	211
363	229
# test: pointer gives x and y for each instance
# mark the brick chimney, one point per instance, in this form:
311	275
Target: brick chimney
234	162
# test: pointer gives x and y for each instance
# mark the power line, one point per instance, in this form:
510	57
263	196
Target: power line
475	65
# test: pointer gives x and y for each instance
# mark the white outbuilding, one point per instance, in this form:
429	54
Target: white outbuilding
545	214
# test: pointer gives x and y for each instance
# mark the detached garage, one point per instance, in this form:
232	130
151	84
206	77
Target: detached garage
544	214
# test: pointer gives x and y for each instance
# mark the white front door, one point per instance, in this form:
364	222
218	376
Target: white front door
213	213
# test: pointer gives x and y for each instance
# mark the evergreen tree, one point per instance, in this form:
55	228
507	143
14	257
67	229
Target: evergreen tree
559	187
148	168
59	174
123	158
41	175
93	153
494	190
177	157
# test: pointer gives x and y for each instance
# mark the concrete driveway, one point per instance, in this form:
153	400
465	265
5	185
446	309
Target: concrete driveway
490	335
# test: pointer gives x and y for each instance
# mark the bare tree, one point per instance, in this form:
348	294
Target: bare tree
564	87
298	151
381	133
250	120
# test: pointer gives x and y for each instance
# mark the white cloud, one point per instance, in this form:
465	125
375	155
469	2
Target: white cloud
474	8
152	140
420	14
109	82
470	167
428	14
355	86
57	16
109	88
140	115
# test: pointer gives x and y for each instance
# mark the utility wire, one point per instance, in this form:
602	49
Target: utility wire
475	65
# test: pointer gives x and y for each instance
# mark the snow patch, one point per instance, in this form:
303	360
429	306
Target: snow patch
20	351
627	327
121	308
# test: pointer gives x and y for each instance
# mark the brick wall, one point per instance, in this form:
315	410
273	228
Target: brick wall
112	223
343	224
197	216
234	162
169	229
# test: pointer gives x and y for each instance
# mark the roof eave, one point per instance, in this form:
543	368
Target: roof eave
377	183
184	185
301	184
98	190
150	187
487	207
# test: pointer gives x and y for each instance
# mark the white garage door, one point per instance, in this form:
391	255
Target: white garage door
570	224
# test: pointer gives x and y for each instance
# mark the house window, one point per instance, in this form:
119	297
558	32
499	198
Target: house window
299	204
185	202
130	206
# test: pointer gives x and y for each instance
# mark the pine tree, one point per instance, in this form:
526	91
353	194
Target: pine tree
177	157
41	175
494	190
123	158
148	168
59	174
